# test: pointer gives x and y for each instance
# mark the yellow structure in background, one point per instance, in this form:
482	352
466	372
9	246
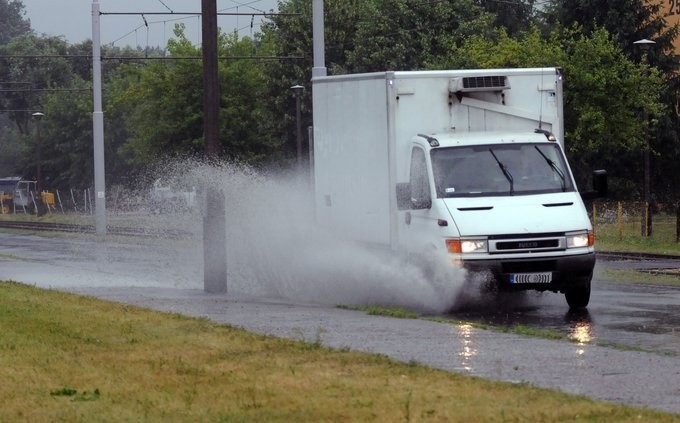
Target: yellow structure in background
48	198
4	201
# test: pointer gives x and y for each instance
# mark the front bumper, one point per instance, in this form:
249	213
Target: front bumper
567	271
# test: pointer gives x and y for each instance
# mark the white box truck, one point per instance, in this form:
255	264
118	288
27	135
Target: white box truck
468	163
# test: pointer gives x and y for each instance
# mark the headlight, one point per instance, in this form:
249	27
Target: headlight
580	239
464	246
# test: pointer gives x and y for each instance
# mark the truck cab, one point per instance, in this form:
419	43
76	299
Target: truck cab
501	203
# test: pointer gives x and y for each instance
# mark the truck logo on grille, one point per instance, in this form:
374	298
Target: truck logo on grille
533	244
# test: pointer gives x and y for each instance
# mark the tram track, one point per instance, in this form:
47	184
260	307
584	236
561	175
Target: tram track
90	229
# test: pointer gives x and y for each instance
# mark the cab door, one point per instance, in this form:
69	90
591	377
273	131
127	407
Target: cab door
417	221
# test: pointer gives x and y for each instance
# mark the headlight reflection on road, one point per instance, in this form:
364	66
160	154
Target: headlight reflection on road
468	351
581	334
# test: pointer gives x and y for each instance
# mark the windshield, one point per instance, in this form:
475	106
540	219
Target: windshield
505	169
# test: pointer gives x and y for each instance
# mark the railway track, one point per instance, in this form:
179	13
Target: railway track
90	229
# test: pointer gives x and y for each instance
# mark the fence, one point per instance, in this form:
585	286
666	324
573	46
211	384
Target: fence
626	220
80	201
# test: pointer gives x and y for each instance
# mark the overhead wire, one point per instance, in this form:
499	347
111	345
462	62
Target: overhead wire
172	12
166	6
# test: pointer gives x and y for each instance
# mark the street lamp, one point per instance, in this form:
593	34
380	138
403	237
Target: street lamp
297	93
38	171
644	45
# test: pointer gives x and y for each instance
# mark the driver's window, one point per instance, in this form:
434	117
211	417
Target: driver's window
420	185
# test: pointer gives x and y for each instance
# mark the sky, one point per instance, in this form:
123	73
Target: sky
73	19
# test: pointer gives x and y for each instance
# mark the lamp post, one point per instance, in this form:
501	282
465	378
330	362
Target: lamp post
644	45
38	168
297	93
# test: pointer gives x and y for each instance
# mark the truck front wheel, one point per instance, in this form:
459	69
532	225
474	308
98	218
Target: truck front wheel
578	296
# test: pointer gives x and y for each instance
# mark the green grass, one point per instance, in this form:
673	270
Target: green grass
638	277
54	217
376	310
70	358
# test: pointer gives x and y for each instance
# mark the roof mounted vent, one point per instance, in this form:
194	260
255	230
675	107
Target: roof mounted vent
479	83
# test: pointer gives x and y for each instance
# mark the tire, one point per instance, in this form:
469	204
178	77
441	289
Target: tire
578	296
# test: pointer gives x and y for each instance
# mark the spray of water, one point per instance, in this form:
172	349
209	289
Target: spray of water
275	248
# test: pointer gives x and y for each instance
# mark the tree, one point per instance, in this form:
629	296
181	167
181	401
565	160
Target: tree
514	16
406	34
629	21
30	65
164	103
67	137
626	20
12	22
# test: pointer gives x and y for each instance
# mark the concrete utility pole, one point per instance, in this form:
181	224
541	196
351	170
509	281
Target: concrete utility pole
98	124
318	40
214	220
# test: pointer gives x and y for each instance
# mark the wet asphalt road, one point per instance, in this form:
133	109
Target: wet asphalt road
162	277
626	315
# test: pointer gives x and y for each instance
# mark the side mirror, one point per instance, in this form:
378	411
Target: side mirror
600	182
599	186
405	200
421	203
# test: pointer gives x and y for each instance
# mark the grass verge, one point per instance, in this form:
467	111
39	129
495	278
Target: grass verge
71	358
632	276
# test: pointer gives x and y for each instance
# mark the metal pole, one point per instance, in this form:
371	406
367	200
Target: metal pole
98	124
677	222
318	41
645	45
38	171
298	131
214	220
297	92
38	168
310	146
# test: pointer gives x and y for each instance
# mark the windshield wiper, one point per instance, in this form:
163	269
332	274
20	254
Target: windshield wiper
554	167
506	172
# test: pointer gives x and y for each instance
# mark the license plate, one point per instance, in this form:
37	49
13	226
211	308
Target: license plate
531	278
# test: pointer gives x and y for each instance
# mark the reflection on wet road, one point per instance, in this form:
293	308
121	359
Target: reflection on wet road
644	317
467	351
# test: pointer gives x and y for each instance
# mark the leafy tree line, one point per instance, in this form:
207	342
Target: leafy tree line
153	108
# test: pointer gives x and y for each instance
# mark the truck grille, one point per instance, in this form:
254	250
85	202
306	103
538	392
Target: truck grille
527	243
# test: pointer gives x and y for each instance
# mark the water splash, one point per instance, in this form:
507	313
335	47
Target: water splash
275	248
